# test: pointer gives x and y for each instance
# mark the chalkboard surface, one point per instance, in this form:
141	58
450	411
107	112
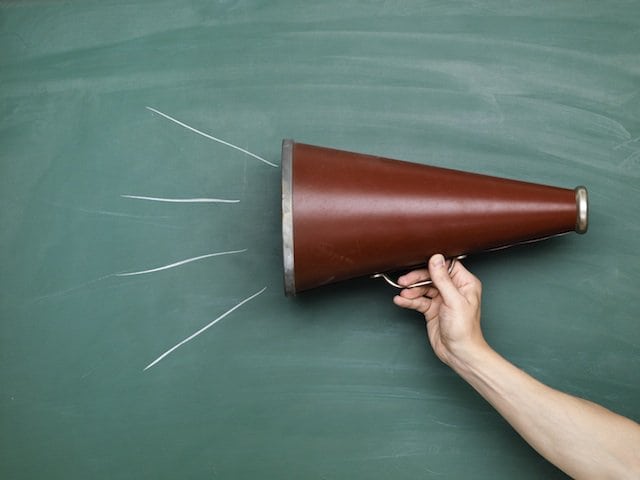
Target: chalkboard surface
109	114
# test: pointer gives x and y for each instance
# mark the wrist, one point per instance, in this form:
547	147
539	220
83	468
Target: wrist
464	358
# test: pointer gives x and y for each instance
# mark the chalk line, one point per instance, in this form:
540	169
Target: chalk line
181	200
71	289
210	137
177	264
209	325
633	140
104	277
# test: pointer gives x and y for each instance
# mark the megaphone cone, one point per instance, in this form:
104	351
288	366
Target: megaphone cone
346	214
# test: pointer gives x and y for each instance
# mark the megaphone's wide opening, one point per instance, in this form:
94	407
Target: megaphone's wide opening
287	217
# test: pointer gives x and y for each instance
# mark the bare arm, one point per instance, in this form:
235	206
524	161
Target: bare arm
581	438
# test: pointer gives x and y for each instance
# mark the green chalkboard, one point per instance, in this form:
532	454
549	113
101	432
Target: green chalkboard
336	383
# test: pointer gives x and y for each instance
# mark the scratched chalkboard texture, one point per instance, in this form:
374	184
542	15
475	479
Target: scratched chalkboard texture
336	383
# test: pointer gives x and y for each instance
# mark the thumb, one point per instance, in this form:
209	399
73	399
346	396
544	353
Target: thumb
441	279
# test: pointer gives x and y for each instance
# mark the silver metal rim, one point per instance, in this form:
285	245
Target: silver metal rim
287	217
582	206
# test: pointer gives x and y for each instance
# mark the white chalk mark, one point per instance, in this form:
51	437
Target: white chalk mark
630	160
181	200
210	137
70	290
633	140
209	325
177	264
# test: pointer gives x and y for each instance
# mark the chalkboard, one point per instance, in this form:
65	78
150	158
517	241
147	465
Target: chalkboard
102	103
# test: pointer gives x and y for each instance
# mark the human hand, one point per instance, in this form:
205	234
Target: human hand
451	307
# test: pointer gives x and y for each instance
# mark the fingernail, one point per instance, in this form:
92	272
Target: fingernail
438	260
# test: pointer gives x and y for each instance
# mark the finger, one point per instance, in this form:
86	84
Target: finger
412	292
460	274
466	281
414	277
441	279
420	304
430	292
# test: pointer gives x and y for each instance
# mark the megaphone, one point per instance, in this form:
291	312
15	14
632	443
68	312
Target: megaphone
346	215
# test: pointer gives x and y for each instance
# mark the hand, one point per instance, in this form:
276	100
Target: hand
583	439
451	307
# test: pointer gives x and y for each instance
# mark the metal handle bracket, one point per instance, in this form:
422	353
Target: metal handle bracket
424	283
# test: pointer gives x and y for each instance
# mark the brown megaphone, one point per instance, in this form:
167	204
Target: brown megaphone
346	215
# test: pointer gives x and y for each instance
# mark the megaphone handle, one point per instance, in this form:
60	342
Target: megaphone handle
425	283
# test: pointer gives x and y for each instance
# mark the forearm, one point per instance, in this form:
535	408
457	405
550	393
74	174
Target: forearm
581	438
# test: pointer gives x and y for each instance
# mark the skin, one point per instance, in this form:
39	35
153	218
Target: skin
583	439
